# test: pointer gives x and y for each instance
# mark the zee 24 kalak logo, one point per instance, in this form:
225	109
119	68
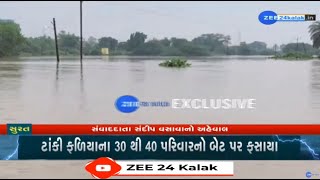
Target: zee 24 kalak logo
271	17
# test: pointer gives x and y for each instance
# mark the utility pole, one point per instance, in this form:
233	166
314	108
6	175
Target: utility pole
56	40
81	32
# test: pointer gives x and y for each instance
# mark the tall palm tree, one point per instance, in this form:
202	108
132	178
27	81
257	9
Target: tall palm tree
314	30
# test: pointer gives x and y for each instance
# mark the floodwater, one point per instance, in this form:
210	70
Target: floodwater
36	90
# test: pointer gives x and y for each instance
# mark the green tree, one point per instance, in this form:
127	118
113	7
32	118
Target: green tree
153	47
91	46
10	38
233	50
165	42
257	47
69	43
108	42
244	49
178	42
194	50
214	42
188	48
43	45
299	47
122	48
136	39
314	30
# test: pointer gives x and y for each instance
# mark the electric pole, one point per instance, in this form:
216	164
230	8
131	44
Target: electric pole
56	39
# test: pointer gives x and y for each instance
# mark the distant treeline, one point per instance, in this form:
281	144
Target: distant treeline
13	43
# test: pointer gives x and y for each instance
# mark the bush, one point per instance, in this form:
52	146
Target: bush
175	62
293	56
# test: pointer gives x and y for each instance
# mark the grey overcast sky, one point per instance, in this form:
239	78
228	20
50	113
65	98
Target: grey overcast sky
163	19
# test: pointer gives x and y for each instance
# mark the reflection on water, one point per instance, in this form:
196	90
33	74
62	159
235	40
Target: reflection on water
10	85
137	71
82	97
57	78
37	90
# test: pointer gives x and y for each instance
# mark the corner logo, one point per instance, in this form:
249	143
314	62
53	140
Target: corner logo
308	174
103	168
270	17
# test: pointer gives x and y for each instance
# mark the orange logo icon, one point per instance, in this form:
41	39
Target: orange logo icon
103	168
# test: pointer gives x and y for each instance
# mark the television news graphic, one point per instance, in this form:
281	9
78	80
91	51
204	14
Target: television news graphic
192	141
130	104
158	168
159	149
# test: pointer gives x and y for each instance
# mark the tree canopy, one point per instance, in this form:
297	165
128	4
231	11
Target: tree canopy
10	38
13	43
314	30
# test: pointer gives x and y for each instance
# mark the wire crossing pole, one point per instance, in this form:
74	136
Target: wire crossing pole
81	32
56	39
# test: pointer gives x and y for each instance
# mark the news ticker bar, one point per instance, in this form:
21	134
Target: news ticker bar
106	167
164	147
157	129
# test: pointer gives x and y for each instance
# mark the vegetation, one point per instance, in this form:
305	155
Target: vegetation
314	30
296	51
175	62
13	43
10	38
293	56
302	51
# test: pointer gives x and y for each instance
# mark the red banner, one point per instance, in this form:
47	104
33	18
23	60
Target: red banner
174	129
3	129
